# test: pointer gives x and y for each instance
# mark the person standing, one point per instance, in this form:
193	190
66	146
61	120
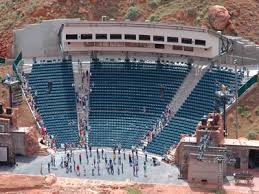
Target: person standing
102	153
124	154
41	170
80	158
77	170
118	170
105	158
84	170
98	169
90	149
48	167
130	160
94	162
145	169
119	160
145	156
122	170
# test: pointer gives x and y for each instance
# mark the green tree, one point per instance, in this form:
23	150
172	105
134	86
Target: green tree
132	13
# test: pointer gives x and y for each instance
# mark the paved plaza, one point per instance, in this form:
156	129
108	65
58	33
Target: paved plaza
163	173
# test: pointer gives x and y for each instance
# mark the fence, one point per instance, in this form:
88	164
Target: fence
247	85
15	63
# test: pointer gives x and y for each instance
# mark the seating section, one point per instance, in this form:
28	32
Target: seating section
127	99
58	109
200	102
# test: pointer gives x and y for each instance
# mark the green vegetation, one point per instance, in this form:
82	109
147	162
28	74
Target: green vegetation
217	191
132	190
154	18
132	13
153	3
252	135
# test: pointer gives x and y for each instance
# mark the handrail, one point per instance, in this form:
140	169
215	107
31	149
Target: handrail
247	85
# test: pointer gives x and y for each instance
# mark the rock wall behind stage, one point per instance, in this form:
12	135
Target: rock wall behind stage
31	141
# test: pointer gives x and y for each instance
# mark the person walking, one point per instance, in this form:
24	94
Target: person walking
48	167
112	169
114	158
118	170
93	169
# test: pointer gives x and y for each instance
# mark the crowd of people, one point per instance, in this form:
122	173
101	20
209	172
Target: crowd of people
73	162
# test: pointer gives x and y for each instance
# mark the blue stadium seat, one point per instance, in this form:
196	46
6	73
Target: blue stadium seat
119	94
58	109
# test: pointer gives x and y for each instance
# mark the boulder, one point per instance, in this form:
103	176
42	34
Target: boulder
218	17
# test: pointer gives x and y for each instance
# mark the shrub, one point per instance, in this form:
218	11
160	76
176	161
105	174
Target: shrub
132	13
252	135
257	111
153	3
154	18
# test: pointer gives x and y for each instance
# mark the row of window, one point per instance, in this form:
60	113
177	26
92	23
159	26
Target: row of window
132	44
134	37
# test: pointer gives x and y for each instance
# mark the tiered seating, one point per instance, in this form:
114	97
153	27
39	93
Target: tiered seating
199	103
58	109
121	92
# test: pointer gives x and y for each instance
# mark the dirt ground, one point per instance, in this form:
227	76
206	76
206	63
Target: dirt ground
50	184
249	122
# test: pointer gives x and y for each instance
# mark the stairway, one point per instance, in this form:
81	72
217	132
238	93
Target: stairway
189	83
187	87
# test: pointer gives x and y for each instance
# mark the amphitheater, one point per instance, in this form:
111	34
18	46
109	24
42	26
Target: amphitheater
133	86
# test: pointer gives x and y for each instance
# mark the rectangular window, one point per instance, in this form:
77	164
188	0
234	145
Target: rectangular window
159	46
115	36
200	42
101	36
158	38
144	37
188	48
178	48
86	36
130	36
71	36
186	41
172	39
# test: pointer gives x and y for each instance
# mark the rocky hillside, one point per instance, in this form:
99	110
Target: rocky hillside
239	18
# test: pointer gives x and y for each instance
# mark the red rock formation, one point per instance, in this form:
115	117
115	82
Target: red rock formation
219	17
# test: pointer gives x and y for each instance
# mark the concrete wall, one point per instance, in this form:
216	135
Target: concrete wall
210	50
7	141
19	144
39	40
203	170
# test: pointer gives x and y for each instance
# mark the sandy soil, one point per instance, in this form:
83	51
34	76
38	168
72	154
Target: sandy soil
251	103
50	184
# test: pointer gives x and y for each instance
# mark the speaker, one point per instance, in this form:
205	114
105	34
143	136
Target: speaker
9	111
1	108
